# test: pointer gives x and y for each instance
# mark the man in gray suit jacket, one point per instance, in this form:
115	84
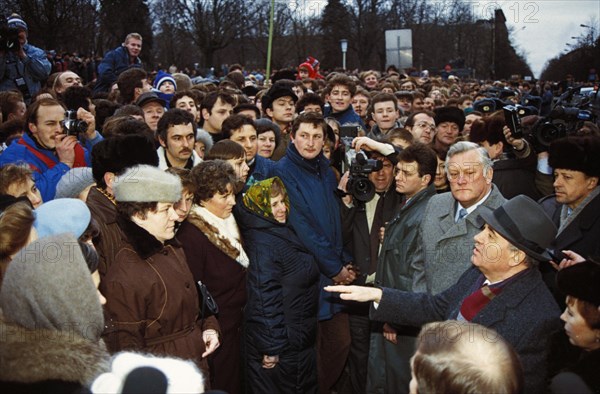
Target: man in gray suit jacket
503	290
451	220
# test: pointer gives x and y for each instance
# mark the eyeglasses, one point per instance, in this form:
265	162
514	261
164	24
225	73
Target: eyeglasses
425	125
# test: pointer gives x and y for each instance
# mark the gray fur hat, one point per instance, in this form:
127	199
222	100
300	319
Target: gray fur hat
205	137
48	286
145	183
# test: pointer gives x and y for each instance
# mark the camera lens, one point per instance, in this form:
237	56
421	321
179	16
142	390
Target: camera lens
363	190
551	131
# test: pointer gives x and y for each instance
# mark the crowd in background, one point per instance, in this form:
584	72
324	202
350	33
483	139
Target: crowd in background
298	232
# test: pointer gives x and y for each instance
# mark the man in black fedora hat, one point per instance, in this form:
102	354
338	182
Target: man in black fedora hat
503	290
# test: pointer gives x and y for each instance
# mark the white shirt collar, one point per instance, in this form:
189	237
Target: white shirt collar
472	207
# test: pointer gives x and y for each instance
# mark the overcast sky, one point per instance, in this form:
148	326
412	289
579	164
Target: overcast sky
542	27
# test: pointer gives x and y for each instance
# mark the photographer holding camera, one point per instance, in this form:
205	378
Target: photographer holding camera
50	145
23	67
371	200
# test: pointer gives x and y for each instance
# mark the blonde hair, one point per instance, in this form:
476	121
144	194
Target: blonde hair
462	357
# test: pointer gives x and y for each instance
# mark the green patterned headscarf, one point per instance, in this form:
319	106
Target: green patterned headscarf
258	197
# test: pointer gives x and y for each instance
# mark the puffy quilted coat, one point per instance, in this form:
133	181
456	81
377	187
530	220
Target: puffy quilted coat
281	312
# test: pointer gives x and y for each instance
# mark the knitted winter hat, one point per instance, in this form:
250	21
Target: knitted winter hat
16	22
74	182
48	286
147	184
163	77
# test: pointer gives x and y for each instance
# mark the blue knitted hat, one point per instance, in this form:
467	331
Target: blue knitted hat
163	77
16	22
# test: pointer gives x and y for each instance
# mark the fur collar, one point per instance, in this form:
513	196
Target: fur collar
212	233
144	243
29	356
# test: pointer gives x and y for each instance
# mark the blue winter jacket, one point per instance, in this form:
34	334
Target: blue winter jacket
315	215
34	69
45	178
263	169
346	118
113	64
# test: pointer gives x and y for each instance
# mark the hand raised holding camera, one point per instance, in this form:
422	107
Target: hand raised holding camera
517	143
88	118
65	148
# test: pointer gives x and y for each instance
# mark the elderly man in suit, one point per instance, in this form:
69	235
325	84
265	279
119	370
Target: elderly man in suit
451	219
503	289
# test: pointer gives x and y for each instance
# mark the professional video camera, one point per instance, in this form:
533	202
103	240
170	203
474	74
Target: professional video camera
9	37
575	106
359	185
72	125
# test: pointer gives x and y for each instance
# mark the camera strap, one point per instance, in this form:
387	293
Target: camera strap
49	162
20	81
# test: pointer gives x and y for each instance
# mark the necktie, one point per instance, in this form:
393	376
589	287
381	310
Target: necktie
461	214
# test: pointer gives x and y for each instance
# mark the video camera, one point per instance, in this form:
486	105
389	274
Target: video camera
9	37
359	166
572	108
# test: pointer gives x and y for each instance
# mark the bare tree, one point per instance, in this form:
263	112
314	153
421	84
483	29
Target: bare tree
66	25
211	24
366	33
336	23
121	17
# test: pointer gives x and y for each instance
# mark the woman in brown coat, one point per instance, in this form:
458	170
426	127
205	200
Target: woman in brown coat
151	295
211	240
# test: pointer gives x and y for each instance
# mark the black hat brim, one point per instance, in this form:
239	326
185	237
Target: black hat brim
489	217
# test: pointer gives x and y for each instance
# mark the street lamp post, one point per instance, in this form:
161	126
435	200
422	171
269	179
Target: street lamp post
592	31
344	46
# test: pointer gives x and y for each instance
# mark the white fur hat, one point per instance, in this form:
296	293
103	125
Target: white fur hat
182	376
144	183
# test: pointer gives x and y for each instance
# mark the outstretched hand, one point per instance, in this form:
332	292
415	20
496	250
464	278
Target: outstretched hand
356	293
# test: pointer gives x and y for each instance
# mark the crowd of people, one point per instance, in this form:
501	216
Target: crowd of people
349	233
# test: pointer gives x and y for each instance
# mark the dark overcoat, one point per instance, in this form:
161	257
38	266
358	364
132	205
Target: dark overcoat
524	313
281	313
315	215
225	279
389	363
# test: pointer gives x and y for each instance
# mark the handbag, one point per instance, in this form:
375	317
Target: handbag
208	305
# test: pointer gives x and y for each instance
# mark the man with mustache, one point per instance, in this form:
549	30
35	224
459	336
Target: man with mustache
176	133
